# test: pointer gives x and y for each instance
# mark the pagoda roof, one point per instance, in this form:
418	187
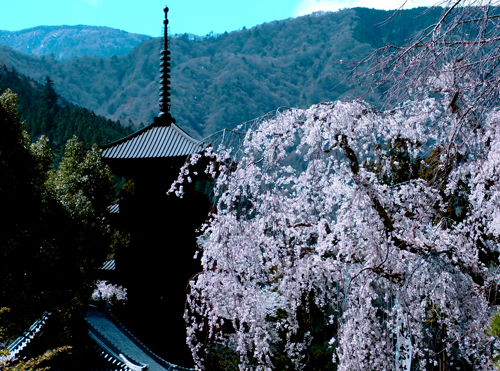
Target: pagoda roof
109	265
161	139
114	208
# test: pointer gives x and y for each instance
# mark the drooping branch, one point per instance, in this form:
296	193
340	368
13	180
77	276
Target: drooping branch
388	223
382	213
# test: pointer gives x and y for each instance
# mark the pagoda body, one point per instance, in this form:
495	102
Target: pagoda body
158	263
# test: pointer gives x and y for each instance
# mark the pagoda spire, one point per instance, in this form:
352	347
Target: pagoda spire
165	74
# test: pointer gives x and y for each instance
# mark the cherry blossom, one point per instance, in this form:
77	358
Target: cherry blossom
391	215
110	292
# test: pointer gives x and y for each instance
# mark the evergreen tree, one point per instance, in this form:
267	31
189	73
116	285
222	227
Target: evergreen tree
46	113
54	235
49	96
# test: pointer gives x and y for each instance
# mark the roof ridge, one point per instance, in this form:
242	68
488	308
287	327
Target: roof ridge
22	341
145	349
105	352
185	134
162	139
112	349
156	123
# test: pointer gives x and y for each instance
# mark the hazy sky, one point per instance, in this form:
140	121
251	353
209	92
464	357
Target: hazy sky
191	16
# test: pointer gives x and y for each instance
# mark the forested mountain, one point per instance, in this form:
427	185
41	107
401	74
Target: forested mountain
222	80
65	42
45	112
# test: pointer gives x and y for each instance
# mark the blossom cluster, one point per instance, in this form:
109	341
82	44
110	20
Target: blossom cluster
312	206
110	292
390	218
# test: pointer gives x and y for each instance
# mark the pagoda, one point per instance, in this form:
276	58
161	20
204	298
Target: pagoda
158	263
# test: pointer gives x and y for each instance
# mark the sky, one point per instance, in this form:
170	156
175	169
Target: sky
198	17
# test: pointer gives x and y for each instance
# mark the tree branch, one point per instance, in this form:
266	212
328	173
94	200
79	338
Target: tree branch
388	223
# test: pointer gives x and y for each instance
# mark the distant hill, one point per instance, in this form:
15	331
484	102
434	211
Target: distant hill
65	42
47	113
221	81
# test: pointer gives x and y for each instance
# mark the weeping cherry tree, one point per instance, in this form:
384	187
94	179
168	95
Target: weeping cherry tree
387	215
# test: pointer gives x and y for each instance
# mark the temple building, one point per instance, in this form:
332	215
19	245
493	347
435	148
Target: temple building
148	332
158	263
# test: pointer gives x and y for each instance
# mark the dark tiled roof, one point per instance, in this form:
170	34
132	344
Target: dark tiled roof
108	265
156	140
119	366
117	342
21	342
114	208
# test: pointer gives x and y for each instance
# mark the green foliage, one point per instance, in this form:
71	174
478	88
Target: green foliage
128	188
54	235
432	169
221	357
314	323
2	331
119	241
46	113
32	363
82	183
494	331
403	167
380	27
43	154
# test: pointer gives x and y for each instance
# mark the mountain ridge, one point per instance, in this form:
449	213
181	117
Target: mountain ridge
220	81
66	42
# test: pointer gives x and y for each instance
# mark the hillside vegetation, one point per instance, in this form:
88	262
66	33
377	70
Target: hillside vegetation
65	42
219	81
45	112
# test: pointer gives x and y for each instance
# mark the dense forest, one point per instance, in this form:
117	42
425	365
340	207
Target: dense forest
219	81
55	234
45	112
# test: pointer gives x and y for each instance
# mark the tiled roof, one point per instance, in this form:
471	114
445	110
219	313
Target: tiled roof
117	342
109	265
119	366
114	208
21	342
157	140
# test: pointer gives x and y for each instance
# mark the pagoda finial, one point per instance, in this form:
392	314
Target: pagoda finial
165	72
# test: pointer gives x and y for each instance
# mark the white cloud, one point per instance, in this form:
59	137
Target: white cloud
310	6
